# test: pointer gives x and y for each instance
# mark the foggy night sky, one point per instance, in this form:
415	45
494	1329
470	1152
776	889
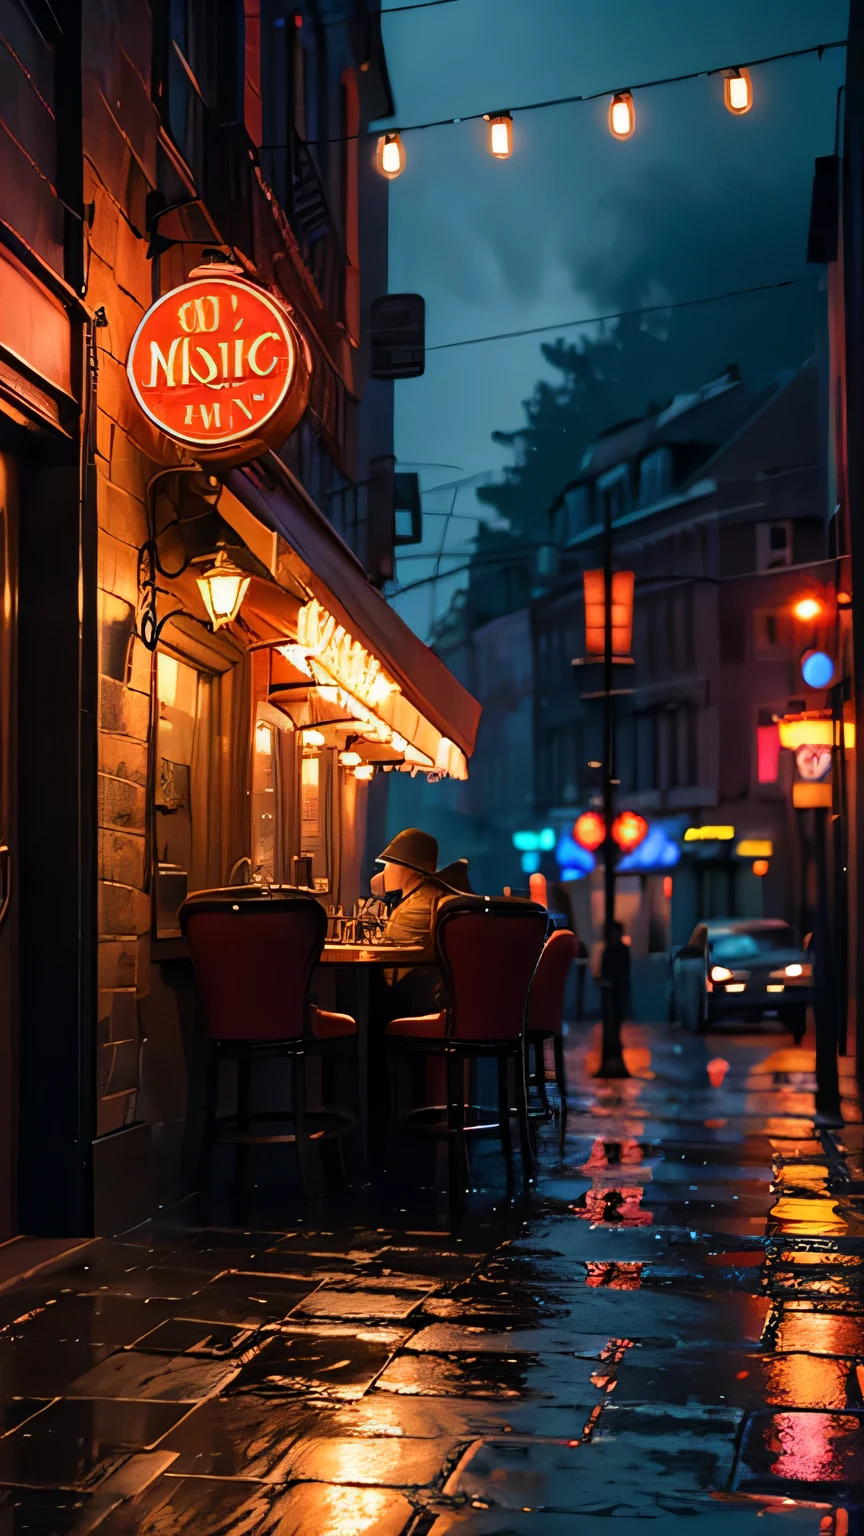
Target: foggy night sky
576	223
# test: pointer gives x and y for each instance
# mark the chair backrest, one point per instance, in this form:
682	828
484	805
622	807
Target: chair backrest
546	998
253	957
488	948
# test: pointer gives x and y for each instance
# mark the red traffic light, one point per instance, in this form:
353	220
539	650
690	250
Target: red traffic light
629	830
589	830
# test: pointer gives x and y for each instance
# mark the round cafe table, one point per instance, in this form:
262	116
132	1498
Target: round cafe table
341	981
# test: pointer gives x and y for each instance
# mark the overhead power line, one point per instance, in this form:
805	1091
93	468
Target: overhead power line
621	314
561	101
423	5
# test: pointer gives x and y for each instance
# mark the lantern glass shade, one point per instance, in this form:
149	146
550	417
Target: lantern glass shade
350	759
622	115
364	771
738	92
223	588
390	156
501	135
594	586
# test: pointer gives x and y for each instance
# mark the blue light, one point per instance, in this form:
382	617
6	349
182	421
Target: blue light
546	839
817	669
571	856
573	874
526	842
530	863
656	851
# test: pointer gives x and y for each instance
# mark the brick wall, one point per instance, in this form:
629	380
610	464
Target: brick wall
120	138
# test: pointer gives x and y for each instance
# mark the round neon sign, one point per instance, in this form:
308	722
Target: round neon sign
217	362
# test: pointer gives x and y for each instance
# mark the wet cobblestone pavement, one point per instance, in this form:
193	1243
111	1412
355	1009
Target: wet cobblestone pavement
670	1329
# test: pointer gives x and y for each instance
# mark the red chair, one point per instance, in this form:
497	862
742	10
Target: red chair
487	950
546	1006
254	953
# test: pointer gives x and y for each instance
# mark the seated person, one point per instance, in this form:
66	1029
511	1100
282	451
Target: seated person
410	873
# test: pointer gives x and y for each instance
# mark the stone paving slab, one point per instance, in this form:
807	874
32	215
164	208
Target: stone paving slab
670	1327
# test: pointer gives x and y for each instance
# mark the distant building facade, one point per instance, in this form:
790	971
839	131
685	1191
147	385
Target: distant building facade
718	504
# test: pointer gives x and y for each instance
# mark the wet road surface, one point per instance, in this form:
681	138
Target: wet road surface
669	1328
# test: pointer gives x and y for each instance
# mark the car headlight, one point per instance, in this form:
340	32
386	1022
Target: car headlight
795	969
720	973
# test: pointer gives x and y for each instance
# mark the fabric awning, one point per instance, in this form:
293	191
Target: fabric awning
334	575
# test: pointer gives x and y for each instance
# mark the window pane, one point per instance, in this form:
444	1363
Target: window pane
310	786
264	805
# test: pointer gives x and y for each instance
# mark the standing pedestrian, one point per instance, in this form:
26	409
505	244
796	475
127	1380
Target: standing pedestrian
615	998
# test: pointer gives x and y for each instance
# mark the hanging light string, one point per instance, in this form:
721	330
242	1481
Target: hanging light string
622	314
736	103
394	10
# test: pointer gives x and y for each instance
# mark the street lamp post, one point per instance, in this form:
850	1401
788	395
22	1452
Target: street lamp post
612	1058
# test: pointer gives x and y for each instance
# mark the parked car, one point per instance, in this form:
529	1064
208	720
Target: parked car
745	967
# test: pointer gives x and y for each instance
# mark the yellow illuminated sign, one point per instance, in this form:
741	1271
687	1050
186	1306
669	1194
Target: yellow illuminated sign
755	848
342	657
709	834
818	732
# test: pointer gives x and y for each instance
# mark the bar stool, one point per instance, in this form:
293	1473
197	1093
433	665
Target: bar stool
487	950
254	951
545	1009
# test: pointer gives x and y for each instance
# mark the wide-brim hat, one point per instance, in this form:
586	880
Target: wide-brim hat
412	849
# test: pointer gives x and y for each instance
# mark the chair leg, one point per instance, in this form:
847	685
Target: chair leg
540	1070
205	1155
524	1126
311	1175
457	1158
561	1080
504	1117
244	1093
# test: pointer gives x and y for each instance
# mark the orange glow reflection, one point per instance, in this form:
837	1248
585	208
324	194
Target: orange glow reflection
806	1381
717	1070
608	1154
807	1217
353	1511
618	1277
819	1333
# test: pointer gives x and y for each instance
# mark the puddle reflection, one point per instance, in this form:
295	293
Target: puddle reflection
623	1207
812	1447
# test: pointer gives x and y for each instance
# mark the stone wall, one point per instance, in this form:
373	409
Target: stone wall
120	137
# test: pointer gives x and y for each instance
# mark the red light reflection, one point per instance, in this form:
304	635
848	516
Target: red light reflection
617	1277
812	1446
620	1207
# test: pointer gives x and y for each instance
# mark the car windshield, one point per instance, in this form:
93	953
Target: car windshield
743	946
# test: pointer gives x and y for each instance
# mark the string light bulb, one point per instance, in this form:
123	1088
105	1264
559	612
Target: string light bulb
622	115
350	759
737	91
314	738
364	771
500	134
391	155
